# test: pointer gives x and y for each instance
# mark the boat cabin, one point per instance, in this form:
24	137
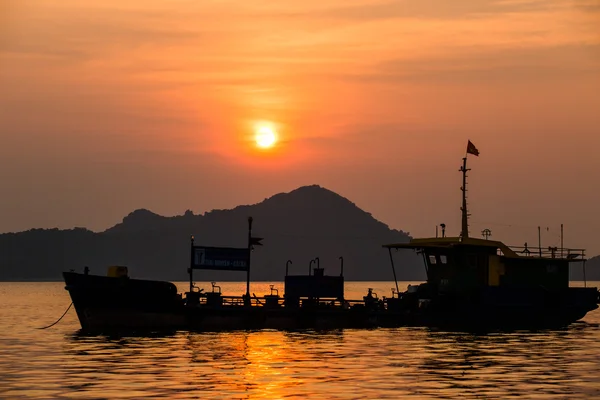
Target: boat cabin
456	264
313	287
463	263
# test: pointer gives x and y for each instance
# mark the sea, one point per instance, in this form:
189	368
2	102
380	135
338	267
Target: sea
62	363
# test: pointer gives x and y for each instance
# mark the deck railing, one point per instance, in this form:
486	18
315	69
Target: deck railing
261	301
549	252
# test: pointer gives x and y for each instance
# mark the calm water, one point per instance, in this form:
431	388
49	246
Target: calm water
376	364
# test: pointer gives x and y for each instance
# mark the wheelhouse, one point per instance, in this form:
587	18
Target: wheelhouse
456	264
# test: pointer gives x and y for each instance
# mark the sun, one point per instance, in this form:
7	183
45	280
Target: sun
265	137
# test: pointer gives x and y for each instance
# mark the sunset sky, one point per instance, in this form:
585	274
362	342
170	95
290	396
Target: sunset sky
109	106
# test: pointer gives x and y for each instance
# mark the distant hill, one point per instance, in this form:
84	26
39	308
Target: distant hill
592	270
308	222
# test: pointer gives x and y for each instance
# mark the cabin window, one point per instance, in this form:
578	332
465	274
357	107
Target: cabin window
443	259
432	259
551	269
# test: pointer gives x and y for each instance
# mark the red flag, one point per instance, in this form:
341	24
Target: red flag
471	149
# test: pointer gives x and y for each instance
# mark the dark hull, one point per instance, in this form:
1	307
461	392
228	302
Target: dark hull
121	304
115	303
503	309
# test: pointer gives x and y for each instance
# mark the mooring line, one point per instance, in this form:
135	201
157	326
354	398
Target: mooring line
65	313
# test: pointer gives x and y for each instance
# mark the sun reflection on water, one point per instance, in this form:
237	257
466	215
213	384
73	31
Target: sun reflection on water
378	363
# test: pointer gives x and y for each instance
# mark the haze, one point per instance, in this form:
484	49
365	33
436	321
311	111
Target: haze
109	106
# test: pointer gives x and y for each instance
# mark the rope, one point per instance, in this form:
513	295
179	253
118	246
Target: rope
65	313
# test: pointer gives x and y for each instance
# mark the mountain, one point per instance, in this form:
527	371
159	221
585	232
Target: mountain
592	270
305	223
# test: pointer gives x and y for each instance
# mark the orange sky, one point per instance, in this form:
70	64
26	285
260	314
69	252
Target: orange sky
108	106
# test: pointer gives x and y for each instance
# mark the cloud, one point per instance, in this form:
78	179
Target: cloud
80	33
423	9
483	65
591	15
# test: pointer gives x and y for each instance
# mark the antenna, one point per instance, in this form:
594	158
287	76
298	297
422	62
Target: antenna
465	216
486	233
561	241
540	240
471	149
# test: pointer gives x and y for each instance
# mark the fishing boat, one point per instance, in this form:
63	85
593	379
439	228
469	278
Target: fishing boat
117	302
471	283
482	283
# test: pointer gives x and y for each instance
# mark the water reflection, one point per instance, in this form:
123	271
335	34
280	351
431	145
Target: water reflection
243	364
501	365
339	364
383	363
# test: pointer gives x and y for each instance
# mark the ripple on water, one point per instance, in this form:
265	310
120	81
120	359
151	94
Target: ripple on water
384	363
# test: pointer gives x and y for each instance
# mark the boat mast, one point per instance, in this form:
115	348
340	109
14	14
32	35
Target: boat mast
250	242
471	149
465	216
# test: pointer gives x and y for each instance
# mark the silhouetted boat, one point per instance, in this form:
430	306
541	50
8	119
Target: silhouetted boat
315	301
481	283
471	284
119	303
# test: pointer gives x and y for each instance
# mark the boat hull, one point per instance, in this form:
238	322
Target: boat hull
122	304
502	309
106	304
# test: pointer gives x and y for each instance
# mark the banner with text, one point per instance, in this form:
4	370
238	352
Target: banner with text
221	258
